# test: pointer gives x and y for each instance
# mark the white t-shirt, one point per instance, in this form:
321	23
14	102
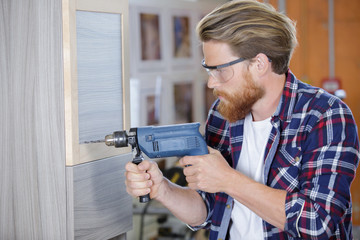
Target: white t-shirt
245	223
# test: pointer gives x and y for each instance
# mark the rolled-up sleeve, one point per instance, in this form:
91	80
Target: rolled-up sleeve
209	203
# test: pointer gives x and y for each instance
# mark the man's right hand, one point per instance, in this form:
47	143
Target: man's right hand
185	203
143	179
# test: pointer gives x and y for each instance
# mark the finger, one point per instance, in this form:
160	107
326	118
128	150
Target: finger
191	179
138	184
186	161
189	170
132	176
138	188
193	186
137	192
131	167
153	167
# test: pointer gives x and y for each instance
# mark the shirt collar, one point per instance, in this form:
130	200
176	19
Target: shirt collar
287	101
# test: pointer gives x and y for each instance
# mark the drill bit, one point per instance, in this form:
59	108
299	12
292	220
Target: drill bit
94	141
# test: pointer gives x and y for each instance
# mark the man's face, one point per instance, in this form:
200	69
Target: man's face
239	93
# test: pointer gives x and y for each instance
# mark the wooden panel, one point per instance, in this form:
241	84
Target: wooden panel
99	74
347	68
77	153
101	207
32	172
310	62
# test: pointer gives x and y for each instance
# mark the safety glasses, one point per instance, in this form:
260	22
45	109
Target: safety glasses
222	73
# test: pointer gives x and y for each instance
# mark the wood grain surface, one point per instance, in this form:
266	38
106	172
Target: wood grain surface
99	66
32	170
99	207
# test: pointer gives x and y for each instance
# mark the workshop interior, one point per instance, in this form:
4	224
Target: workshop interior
86	85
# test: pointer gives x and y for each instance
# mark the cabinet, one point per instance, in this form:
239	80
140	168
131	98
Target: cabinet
55	184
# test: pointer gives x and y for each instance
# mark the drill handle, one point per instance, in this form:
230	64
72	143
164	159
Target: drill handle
137	160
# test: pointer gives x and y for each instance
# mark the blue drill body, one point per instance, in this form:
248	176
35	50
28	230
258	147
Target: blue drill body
173	140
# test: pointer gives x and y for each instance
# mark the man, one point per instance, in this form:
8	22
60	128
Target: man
282	154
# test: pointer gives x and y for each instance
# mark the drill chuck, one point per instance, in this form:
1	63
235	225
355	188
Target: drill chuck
117	139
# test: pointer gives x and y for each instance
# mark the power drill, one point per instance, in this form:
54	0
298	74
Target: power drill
160	141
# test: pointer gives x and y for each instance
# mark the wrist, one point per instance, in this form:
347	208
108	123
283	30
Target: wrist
162	190
235	177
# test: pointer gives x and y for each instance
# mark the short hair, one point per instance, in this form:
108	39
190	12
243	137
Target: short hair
251	27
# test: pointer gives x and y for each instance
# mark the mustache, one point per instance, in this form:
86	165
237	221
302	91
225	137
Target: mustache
218	93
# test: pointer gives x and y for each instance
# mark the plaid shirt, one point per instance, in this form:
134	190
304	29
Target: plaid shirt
312	153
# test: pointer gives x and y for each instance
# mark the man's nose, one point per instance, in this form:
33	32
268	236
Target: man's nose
212	82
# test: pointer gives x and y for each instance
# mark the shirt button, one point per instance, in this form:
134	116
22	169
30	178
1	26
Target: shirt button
227	206
297	159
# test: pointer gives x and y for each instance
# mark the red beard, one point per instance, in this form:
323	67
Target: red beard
239	104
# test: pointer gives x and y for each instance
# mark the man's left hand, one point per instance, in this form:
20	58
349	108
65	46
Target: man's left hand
206	172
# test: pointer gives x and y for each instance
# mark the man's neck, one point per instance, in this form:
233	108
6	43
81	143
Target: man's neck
267	105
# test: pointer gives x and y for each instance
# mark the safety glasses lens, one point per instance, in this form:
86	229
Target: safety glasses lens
221	75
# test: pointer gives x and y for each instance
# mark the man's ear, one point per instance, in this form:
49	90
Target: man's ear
262	63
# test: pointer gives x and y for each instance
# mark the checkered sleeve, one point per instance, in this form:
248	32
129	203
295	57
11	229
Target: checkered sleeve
330	154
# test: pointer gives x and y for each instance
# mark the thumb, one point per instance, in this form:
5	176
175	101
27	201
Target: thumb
144	165
149	166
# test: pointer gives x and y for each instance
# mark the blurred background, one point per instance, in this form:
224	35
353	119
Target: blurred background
327	56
